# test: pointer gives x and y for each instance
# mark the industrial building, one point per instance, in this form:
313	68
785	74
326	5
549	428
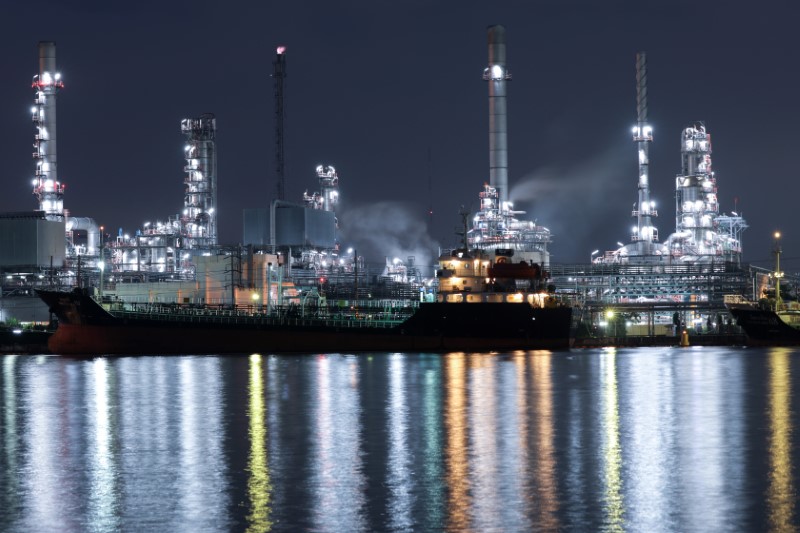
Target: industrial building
495	226
291	250
682	281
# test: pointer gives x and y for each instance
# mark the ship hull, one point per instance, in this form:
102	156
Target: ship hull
85	328
765	328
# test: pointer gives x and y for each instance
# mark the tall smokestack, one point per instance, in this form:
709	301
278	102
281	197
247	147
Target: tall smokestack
645	233
497	74
46	187
279	73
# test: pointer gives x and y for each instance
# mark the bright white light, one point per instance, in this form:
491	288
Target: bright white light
33	109
497	72
58	76
396	260
101	265
210	210
349	250
620	244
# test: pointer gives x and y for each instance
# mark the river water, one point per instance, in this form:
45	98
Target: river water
646	439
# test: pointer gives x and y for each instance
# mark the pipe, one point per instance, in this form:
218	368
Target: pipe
92	233
497	74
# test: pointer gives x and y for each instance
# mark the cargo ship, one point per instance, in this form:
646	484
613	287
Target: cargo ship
766	327
485	305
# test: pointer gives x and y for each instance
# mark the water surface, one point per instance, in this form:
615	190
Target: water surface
662	439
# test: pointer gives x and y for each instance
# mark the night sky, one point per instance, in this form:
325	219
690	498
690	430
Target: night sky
391	94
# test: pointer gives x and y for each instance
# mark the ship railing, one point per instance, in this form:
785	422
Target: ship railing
240	317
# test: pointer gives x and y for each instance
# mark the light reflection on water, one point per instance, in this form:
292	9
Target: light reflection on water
612	452
600	440
781	496
258	486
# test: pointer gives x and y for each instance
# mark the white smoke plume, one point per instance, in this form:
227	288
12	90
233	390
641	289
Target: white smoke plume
577	202
389	229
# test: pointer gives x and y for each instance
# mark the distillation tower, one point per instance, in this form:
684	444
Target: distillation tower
495	226
199	218
162	248
701	234
644	234
328	196
46	187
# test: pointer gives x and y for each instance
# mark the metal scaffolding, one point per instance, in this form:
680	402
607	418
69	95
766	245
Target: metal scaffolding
199	217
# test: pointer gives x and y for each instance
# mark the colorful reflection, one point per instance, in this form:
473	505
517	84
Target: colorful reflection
201	478
337	482
648	408
259	489
457	466
545	470
9	496
612	452
781	495
434	493
103	493
43	435
399	468
486	434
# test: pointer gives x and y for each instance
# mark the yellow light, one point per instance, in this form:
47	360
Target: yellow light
254	296
610	313
777	234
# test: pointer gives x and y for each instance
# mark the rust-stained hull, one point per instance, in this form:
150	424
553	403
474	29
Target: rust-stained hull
85	328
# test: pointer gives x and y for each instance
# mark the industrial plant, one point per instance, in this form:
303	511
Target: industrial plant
290	251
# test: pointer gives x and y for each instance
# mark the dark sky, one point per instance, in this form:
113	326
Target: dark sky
374	87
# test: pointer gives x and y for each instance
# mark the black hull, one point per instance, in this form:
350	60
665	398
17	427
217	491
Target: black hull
765	328
85	328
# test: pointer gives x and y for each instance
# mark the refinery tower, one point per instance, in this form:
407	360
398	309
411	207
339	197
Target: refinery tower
702	234
495	226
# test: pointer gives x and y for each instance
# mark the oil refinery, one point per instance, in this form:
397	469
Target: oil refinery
290	251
